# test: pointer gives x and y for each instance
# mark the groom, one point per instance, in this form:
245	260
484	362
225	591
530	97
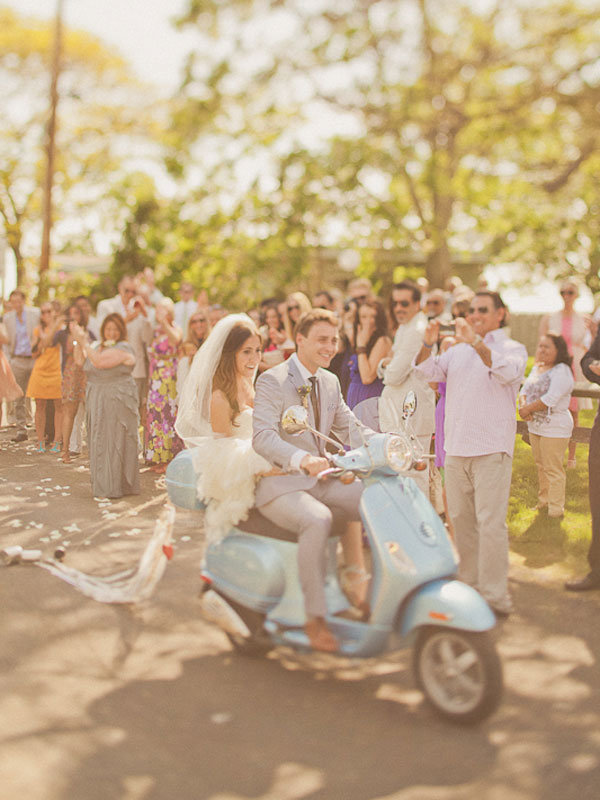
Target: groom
301	503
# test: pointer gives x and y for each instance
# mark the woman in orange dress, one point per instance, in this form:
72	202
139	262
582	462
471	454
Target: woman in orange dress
45	382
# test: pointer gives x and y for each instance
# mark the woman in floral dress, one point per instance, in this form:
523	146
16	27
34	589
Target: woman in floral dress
162	443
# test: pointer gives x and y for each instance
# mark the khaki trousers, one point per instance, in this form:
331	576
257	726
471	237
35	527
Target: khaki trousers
549	454
477	490
311	516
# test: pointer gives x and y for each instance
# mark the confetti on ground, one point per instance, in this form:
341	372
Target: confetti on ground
55	534
108	515
87	542
81	469
66	542
44	538
3	508
65	494
114	535
45	480
74	528
37	525
186	539
221	718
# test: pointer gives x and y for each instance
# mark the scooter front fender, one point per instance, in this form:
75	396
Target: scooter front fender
448	603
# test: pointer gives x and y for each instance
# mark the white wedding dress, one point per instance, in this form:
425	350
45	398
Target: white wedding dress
228	469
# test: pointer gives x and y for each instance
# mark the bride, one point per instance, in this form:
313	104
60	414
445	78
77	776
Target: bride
215	419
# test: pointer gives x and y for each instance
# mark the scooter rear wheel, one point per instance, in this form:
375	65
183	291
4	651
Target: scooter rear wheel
459	672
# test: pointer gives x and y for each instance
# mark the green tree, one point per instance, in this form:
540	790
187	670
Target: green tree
441	128
103	120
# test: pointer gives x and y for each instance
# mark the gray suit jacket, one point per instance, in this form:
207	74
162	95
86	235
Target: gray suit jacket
276	390
32	318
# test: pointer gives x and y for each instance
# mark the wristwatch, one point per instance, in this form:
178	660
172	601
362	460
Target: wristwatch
477	340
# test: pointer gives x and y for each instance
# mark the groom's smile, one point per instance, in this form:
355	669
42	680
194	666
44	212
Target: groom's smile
319	346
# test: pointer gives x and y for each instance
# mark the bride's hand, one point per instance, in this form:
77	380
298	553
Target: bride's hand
272	473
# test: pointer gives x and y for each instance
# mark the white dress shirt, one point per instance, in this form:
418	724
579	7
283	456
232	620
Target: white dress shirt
480	400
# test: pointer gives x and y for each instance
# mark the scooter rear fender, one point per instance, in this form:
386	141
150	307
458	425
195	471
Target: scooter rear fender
448	603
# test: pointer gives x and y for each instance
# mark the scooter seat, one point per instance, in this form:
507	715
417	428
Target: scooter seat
257	523
260	525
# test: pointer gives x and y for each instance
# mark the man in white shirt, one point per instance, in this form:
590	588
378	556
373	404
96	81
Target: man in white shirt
120	303
400	376
483	373
19	324
185	307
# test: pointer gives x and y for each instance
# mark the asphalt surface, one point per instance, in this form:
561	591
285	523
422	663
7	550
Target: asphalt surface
99	702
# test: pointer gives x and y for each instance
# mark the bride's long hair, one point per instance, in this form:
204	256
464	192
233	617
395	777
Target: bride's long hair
225	377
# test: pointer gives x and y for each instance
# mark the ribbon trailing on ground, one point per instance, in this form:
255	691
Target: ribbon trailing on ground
130	586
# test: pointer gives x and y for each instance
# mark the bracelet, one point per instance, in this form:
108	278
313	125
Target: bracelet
428	346
360	351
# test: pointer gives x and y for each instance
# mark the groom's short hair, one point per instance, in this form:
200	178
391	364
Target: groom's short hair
310	318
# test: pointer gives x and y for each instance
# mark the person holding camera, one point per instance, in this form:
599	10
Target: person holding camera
400	376
483	373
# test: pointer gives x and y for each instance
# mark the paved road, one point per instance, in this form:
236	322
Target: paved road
100	702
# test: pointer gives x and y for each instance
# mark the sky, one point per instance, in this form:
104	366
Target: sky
139	29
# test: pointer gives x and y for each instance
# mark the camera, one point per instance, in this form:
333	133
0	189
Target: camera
447	328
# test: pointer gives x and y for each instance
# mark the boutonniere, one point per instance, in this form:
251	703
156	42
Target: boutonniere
108	343
304	391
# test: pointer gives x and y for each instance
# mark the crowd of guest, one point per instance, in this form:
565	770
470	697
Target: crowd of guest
123	367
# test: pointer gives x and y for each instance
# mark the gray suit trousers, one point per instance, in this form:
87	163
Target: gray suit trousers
311	515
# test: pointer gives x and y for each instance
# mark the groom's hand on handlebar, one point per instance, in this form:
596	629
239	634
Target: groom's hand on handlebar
312	465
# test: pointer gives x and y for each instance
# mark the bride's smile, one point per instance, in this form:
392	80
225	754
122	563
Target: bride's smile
247	359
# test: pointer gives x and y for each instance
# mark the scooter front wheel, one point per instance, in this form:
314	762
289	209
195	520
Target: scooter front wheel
459	672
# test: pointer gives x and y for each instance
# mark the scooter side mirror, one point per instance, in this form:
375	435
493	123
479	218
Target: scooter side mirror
295	420
410	404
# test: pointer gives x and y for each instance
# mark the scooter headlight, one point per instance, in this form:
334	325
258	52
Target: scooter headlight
398	453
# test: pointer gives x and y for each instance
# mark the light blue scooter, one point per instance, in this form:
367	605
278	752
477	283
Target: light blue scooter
251	587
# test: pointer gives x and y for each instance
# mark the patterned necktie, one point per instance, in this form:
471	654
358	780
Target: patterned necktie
314	399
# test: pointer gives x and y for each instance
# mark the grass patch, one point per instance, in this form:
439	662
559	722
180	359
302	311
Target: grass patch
558	546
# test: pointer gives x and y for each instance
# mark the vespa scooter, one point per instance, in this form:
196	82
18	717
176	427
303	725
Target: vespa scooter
252	591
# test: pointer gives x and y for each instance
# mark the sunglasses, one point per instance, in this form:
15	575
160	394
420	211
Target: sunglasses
567	292
403	303
293	308
479	310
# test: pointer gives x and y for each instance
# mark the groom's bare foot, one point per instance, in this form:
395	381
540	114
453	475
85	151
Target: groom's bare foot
319	635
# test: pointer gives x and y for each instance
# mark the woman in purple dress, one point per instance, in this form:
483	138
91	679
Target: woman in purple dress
371	344
162	443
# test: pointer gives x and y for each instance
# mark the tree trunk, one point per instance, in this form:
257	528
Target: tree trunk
438	266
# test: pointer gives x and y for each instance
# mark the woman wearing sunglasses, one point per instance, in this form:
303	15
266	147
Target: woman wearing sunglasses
573	328
297	304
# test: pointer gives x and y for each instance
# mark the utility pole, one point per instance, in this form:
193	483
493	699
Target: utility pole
50	154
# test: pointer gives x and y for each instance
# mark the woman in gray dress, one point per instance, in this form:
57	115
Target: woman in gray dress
112	409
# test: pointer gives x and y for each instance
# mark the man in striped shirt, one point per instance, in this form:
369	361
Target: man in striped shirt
483	373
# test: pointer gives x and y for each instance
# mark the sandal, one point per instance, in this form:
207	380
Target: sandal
41	447
353	581
65	457
55	447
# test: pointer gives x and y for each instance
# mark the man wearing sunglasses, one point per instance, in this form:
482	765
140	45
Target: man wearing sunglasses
120	303
399	375
483	373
